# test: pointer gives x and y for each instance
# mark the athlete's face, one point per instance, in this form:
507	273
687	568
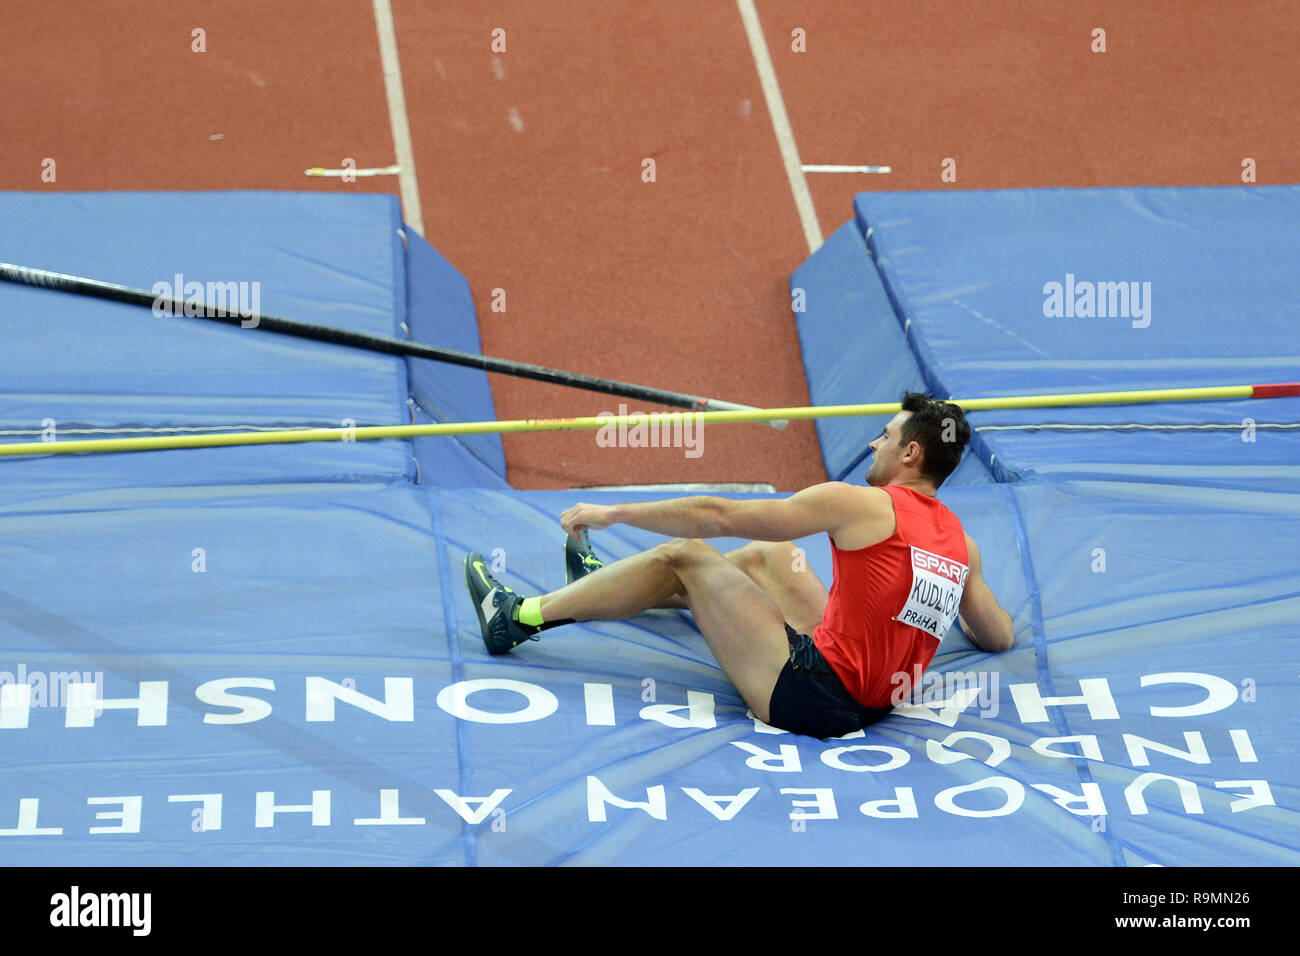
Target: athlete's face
887	452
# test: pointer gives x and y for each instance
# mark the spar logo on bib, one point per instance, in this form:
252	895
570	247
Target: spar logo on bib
937	584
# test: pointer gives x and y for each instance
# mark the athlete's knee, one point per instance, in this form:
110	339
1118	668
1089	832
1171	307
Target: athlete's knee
683	551
765	557
749	557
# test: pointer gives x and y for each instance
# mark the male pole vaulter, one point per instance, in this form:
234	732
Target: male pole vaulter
903	570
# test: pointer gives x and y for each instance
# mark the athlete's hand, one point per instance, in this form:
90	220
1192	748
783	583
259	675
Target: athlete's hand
590	517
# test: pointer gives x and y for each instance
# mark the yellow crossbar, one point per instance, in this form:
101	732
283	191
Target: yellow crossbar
366	433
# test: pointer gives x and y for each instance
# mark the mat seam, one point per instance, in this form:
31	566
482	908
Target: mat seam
1058	718
457	665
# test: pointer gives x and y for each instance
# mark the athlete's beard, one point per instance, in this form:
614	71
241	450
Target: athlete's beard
874	477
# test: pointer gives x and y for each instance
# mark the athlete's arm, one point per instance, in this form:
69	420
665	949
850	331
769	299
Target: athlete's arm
828	507
693	517
982	618
832	507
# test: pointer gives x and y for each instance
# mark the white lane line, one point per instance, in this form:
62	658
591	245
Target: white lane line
379	171
781	124
397	116
824	168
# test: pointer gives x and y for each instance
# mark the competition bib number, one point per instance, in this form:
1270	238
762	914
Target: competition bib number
937	584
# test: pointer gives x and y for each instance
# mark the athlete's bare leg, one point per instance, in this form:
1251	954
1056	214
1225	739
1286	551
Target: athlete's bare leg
743	626
780	569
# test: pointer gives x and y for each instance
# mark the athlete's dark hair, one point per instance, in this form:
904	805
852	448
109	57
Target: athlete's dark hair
941	430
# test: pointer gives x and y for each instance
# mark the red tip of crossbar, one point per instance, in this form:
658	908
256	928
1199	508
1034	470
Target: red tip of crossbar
1276	390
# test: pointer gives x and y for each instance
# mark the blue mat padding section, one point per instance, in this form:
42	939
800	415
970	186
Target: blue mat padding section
1237	444
970	275
87	362
968	270
1189	287
327	651
91	368
441	312
267	655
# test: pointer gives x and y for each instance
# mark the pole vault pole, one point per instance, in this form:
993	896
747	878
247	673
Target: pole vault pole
61	282
371	432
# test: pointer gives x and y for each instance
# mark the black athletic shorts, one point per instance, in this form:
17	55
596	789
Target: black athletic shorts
809	698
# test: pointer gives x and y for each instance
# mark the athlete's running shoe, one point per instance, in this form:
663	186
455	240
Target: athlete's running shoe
495	604
579	559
